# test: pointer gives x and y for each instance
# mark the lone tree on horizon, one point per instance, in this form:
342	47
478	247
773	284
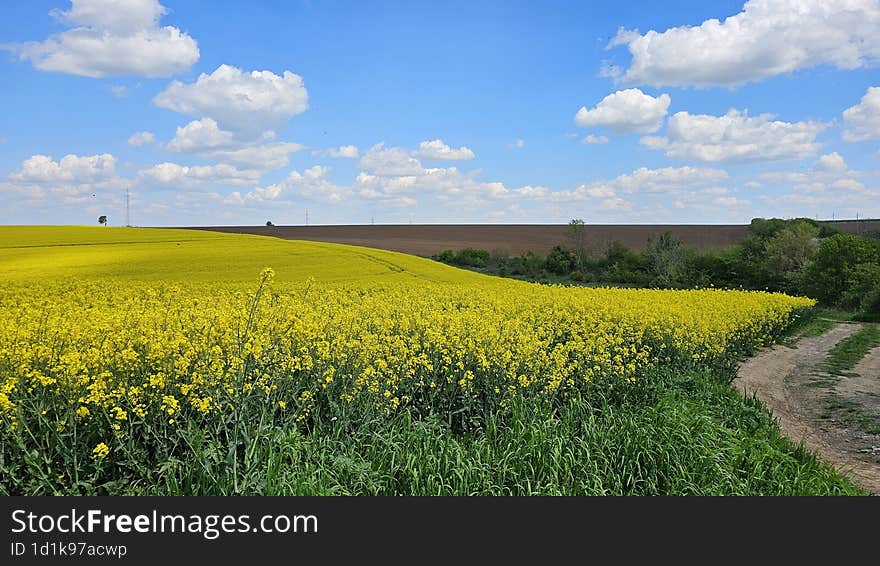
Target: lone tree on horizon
102	219
577	234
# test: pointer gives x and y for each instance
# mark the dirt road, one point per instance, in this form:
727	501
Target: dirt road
814	407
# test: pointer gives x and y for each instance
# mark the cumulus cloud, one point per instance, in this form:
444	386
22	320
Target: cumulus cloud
438	150
69	169
312	184
204	137
767	38
187	176
847	184
113	38
141	138
735	137
832	162
591	139
241	102
626	111
391	161
862	121
668	178
199	135
730	202
830	172
347	151
263	157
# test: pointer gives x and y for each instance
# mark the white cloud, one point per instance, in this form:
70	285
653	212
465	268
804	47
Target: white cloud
716	191
205	138
519	144
347	151
668	178
263	157
626	111
69	169
767	38
665	181
847	184
735	137
785	177
731	201
392	161
186	176
249	103
437	149
113	38
312	183
119	91
862	121
832	162
141	138
200	135
591	139
600	190
830	172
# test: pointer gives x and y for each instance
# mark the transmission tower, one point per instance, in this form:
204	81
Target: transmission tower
127	207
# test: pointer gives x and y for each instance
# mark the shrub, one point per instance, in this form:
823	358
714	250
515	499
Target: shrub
832	271
561	260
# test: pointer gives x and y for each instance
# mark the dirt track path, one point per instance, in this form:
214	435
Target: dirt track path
782	377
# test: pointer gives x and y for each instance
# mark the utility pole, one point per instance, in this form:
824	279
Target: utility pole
127	208
307	217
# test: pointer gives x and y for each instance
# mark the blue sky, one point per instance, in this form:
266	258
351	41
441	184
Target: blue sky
485	112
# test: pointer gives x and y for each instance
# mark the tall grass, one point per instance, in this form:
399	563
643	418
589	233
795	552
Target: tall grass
677	433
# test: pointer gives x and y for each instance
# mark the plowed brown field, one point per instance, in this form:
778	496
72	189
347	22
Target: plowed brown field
511	238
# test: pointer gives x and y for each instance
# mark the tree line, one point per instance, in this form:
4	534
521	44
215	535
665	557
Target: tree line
799	256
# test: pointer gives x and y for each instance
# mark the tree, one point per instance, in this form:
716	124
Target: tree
102	220
561	261
833	269
269	223
668	261
577	234
791	248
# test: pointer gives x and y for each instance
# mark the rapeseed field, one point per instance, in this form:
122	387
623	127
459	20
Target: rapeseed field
124	352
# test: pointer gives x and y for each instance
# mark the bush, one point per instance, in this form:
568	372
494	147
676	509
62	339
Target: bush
833	269
467	257
472	257
561	260
528	264
863	288
446	256
667	259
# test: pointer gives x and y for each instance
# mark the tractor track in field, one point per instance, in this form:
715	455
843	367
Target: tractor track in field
819	409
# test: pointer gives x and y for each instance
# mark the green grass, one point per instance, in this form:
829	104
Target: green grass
835	315
846	354
677	433
816	327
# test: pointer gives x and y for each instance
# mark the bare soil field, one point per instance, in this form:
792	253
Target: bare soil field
429	239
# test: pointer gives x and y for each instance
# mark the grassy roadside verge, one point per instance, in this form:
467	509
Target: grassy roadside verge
845	355
676	432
